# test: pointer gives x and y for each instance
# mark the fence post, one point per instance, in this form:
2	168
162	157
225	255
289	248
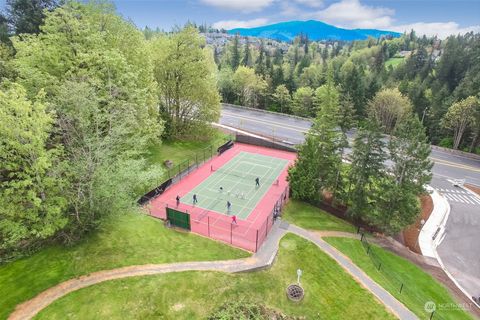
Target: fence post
358	229
361	238
208	225
256	242
266	228
368	250
401	288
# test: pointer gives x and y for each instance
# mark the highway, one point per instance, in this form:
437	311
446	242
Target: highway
459	250
292	130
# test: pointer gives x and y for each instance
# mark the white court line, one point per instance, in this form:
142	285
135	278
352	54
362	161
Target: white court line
239	184
214	180
273	169
208	197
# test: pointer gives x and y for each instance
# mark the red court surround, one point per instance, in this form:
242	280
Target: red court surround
248	234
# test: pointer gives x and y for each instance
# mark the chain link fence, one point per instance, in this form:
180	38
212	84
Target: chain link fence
396	281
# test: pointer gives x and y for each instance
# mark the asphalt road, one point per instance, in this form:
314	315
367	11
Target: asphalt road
459	249
292	130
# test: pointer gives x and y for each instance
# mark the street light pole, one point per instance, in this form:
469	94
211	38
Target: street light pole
424	111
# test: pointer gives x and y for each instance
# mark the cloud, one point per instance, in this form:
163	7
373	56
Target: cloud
310	3
232	24
353	14
439	29
240	5
288	9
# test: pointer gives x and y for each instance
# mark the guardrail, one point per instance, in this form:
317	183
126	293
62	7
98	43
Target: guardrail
266	111
452	151
458	152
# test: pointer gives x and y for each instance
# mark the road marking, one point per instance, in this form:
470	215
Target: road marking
475	199
455	165
466	199
275	124
457	198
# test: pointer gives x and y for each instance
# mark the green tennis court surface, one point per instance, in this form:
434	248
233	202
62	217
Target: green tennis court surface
237	178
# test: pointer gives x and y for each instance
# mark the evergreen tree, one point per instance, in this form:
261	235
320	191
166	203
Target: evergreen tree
367	169
235	60
260	67
318	166
26	16
247	56
409	151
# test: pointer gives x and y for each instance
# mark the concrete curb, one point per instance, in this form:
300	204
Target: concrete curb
428	245
433	230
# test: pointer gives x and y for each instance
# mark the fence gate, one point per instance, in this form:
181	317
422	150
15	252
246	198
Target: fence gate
178	218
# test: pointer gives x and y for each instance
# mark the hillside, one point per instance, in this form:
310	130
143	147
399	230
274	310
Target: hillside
316	30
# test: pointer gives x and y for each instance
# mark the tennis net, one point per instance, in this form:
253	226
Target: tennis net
244	175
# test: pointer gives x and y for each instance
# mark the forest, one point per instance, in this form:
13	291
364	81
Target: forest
84	93
440	80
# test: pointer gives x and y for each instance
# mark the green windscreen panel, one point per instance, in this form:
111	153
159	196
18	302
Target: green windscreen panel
178	218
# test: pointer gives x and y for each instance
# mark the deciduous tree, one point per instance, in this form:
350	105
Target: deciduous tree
32	205
388	107
459	117
186	78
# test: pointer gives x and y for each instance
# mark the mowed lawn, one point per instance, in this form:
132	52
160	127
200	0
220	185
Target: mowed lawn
130	239
331	293
419	286
394	61
310	217
179	150
126	239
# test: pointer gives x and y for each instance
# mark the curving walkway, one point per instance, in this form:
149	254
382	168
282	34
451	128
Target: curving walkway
262	259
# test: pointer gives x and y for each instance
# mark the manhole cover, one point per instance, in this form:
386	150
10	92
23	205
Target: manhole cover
295	292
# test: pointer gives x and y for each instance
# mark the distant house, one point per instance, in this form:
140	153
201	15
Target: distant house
405	54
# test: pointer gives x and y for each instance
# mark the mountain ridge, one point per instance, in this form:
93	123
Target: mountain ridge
315	30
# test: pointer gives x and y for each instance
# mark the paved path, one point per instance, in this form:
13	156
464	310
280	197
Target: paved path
383	295
262	259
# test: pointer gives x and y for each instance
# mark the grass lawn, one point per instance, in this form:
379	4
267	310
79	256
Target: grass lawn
419	286
310	217
331	293
125	240
179	151
394	62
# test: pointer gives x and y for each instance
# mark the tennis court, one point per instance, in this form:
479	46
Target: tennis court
235	182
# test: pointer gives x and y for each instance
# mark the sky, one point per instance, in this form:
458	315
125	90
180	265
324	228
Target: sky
431	17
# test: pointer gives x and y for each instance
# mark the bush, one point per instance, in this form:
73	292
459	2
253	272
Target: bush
247	310
446	143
